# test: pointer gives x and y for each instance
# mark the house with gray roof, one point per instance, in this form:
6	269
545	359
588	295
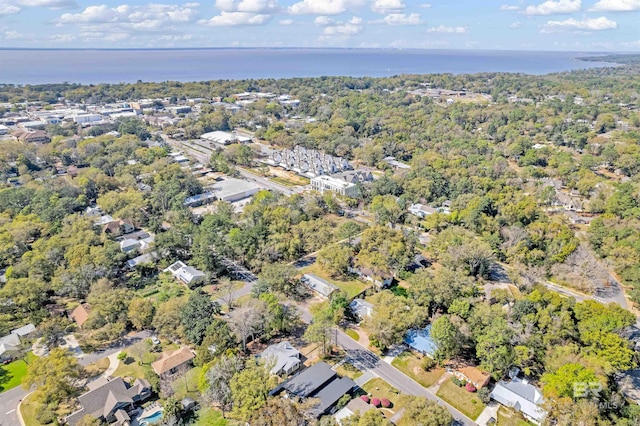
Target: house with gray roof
319	382
319	285
111	401
520	395
187	274
361	309
284	358
8	344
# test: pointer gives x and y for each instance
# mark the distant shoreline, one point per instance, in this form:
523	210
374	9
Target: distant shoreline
112	66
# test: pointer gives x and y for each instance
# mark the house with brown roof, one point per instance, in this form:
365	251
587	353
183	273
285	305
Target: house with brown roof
81	313
111	401
170	363
473	375
31	136
119	227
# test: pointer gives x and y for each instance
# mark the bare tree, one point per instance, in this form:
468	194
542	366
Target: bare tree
218	379
227	291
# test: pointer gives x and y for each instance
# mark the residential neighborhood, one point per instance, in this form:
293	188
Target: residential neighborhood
442	250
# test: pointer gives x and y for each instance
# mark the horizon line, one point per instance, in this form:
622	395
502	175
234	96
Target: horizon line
315	48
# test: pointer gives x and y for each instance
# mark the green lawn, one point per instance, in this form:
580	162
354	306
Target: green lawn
349	370
29	410
467	402
210	417
11	374
509	417
352	333
378	388
98	367
351	286
411	365
187	386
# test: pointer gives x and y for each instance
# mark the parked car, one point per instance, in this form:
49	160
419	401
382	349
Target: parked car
155	340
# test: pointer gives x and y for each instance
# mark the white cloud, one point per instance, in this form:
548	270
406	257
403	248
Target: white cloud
387	6
262	7
8	9
232	19
515	25
323	21
350	28
62	38
550	7
10	35
616	6
324	7
447	30
177	37
425	6
286	22
11	7
401	19
509	7
51	4
148	17
596	24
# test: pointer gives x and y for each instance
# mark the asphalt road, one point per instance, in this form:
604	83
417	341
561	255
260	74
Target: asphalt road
364	359
9	401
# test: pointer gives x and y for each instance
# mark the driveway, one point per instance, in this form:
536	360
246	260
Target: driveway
124	342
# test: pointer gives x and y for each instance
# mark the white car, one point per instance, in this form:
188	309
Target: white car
155	340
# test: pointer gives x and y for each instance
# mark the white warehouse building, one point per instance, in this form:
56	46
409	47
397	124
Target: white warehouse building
224	138
86	118
232	190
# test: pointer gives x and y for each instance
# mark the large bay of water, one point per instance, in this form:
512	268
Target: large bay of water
115	66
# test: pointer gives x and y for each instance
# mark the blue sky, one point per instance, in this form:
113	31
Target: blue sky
575	25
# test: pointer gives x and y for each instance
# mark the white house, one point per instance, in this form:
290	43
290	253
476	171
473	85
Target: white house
319	285
421	210
361	308
521	395
284	358
187	274
128	245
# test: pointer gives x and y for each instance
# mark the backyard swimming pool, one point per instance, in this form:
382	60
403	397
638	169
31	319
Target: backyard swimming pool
152	419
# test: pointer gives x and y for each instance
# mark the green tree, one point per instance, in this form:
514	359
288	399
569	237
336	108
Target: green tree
140	313
54	375
250	388
419	410
562	383
197	315
280	278
336	259
447	336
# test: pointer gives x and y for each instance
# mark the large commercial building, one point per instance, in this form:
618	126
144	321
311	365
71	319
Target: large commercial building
224	138
330	183
232	190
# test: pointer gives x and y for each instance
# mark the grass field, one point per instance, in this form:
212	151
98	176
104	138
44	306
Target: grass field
11	374
29	410
187	386
508	417
411	365
467	402
98	367
351	333
352	287
348	370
